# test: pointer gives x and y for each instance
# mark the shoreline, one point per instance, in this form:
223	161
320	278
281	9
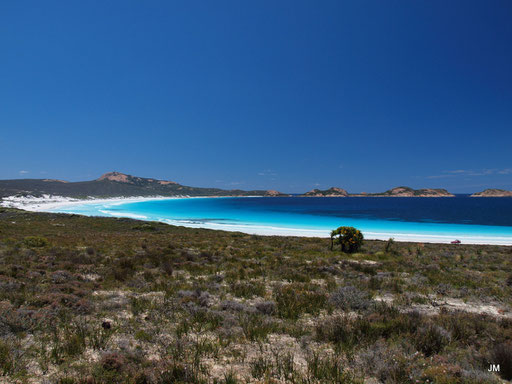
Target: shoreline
52	204
41	204
46	202
262	230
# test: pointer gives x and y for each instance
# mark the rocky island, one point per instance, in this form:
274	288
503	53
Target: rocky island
491	192
331	192
408	192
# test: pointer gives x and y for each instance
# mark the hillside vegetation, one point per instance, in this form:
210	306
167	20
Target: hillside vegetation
115	184
105	300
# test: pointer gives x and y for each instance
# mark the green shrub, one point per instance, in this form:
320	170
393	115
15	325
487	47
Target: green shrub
6	359
294	299
142	335
261	367
248	289
230	378
35	241
350	239
349	331
74	345
12	358
140	305
327	369
145	227
256	327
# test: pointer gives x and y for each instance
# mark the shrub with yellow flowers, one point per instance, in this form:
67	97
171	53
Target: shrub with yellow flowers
349	238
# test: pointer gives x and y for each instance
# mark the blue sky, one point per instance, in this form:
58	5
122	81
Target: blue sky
291	95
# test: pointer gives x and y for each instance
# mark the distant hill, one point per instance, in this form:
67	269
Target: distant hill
116	184
493	193
409	192
331	192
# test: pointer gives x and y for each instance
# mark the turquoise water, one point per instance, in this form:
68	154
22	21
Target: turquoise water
471	220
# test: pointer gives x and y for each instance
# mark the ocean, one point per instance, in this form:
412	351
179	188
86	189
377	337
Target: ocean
470	220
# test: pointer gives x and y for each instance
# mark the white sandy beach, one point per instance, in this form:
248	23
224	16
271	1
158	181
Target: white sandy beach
48	203
301	232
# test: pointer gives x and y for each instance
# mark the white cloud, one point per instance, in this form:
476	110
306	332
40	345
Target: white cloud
472	173
23	172
267	172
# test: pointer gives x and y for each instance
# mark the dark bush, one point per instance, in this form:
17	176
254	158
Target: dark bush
431	339
113	362
502	355
124	269
390	245
266	308
145	227
234	306
167	268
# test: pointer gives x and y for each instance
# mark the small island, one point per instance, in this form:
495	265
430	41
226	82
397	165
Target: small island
410	192
492	192
331	192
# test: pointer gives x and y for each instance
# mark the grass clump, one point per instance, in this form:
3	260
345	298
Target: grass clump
293	300
35	241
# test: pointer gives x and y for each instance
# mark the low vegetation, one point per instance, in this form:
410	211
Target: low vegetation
105	300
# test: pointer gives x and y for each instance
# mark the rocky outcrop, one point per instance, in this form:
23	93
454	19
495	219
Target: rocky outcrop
274	193
129	179
115	176
331	192
409	192
491	192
